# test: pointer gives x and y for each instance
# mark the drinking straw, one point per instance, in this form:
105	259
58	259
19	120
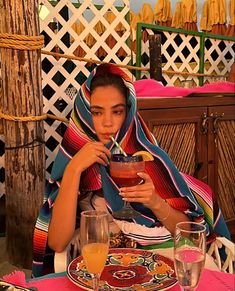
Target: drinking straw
118	145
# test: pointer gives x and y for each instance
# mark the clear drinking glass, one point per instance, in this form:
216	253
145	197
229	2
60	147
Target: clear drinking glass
189	253
123	171
94	238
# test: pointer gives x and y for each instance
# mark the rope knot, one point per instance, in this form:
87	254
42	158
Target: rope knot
21	42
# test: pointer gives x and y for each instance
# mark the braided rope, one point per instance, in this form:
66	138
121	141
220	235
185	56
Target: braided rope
92	61
21	42
31	118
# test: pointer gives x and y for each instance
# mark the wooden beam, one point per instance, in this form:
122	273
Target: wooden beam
155	57
24	141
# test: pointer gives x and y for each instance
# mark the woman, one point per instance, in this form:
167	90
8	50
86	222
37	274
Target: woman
106	106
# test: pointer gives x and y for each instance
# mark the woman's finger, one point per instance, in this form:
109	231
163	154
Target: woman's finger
101	148
102	158
144	176
145	187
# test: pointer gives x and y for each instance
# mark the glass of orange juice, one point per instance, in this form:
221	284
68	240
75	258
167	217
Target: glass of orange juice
94	238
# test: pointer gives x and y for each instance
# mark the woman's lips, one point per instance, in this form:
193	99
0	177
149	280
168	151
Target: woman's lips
107	135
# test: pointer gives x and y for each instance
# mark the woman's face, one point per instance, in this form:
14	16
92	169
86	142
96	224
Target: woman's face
108	110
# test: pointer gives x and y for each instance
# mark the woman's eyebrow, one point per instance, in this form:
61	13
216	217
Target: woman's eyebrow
119	105
96	107
113	107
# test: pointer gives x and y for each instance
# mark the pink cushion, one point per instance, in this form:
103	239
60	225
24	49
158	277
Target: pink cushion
153	88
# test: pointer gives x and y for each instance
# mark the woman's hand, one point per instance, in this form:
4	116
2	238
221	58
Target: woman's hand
144	193
90	153
61	229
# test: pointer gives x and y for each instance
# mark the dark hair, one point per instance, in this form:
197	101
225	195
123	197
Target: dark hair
109	79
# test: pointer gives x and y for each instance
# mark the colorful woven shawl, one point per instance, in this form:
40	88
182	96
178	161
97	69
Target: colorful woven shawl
182	192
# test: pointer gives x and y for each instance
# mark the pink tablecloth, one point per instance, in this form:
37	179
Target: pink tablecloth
210	280
152	88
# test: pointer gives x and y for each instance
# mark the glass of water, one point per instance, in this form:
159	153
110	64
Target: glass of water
189	253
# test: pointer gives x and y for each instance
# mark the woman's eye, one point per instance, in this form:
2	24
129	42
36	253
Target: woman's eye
95	113
118	112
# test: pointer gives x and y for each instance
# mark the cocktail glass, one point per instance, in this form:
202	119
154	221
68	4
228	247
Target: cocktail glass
123	171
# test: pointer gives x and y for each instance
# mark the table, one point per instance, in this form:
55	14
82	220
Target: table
211	279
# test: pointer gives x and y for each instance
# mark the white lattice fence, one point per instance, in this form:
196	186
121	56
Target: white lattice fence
181	52
219	57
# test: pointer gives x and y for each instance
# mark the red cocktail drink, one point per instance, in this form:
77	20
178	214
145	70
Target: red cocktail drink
123	171
124	178
121	181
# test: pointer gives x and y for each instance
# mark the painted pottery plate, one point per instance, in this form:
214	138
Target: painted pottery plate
127	269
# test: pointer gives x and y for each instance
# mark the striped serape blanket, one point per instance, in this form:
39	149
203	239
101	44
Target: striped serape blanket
181	191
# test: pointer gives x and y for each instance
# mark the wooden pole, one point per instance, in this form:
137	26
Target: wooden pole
155	57
24	141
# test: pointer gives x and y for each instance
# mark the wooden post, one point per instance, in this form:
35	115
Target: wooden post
155	57
24	141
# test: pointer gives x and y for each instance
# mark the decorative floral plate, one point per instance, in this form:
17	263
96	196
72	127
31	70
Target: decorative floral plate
127	269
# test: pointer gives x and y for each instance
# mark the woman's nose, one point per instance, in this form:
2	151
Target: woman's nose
107	120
